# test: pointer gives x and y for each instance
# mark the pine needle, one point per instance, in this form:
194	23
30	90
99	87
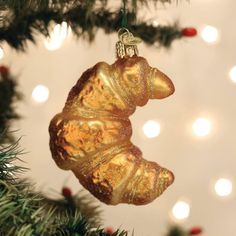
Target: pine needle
23	20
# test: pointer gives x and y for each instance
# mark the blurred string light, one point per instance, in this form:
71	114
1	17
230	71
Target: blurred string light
223	187
201	127
59	33
1	53
232	74
155	23
151	129
210	34
181	210
40	94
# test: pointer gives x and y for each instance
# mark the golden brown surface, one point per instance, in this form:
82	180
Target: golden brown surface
92	134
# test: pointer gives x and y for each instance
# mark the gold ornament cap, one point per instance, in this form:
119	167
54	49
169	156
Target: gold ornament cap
127	44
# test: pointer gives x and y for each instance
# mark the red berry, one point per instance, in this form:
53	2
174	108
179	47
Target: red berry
109	230
195	230
66	192
189	32
4	70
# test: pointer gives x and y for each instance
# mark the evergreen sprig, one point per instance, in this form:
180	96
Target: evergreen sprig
22	20
26	212
176	231
9	94
8	155
81	202
133	4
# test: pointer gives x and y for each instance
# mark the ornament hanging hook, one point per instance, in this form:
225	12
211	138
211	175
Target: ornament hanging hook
127	44
124	15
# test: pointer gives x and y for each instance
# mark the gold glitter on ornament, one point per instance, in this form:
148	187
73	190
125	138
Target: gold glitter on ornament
92	135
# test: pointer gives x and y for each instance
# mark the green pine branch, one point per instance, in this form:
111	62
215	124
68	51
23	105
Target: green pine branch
26	212
9	94
23	20
81	202
8	155
62	4
176	231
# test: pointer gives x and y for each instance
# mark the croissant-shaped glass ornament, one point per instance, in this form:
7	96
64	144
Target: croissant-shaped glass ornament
92	135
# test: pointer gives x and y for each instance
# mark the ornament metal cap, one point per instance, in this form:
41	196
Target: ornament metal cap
127	44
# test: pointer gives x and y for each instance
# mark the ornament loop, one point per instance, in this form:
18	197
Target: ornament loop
127	44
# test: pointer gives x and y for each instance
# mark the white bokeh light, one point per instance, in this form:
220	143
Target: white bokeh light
155	23
57	36
232	74
223	187
201	127
181	210
1	53
40	93
151	129
210	34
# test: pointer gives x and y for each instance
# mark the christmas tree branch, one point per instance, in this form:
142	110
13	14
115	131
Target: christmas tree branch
80	202
62	4
8	155
177	231
8	96
24	211
22	20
